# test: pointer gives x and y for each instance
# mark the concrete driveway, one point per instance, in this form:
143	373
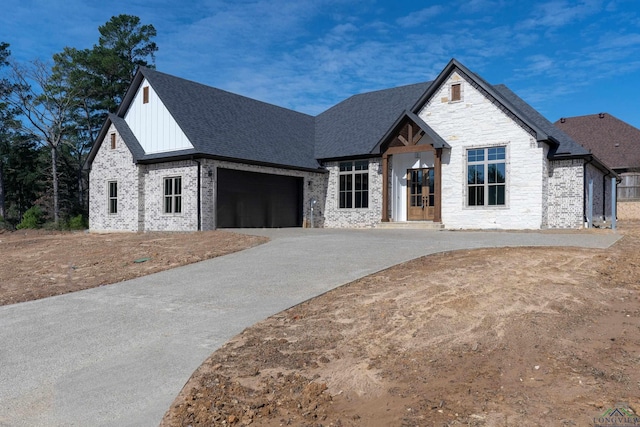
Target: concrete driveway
118	355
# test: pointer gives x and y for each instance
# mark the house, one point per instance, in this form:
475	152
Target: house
613	141
457	152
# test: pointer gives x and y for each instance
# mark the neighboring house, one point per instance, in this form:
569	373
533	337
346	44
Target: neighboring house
456	151
613	141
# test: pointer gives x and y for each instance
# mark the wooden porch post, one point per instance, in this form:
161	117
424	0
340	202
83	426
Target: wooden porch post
437	214
385	188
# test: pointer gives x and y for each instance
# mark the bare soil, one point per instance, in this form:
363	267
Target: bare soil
37	264
490	337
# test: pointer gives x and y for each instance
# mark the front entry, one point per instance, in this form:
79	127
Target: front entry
420	194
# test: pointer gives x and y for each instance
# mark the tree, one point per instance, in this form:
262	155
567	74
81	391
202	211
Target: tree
64	106
123	46
100	77
6	124
44	103
74	68
24	169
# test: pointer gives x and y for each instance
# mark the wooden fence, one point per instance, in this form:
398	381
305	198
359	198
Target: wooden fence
629	187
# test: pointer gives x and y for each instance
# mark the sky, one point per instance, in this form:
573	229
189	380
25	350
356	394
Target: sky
564	57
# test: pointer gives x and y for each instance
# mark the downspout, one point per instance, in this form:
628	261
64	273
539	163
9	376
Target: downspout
199	185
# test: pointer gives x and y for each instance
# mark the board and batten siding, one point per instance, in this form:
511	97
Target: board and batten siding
153	125
475	122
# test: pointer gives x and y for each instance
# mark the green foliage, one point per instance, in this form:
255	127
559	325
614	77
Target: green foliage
4	225
78	222
91	82
32	218
105	71
24	174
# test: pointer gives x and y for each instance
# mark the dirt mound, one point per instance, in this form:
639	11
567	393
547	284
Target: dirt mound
491	337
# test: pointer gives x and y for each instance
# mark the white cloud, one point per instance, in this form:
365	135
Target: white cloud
421	17
558	13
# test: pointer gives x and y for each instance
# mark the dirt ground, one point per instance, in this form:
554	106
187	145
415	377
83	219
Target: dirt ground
490	337
37	264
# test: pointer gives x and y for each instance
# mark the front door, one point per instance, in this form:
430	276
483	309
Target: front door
420	194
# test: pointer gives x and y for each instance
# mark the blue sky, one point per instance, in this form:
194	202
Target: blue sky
566	58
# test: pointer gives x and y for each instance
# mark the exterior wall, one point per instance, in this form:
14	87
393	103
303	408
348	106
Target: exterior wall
601	193
113	165
545	188
314	187
565	198
475	122
153	183
342	218
153	125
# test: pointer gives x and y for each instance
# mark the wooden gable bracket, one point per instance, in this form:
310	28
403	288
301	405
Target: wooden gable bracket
413	134
404	137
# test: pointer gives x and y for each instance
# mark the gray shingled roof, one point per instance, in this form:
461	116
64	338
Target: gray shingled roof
227	125
128	137
224	124
356	125
567	146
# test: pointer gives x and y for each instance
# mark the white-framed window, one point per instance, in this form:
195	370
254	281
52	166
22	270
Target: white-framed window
173	195
112	201
354	185
486	176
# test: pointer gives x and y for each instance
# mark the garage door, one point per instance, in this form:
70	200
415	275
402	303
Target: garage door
250	199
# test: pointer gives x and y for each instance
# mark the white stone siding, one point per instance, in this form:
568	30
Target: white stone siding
475	122
113	165
565	198
314	186
346	218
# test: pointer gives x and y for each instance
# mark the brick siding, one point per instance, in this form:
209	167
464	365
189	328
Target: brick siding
565	198
354	218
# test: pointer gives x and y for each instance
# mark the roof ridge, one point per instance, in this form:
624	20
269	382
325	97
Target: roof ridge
146	70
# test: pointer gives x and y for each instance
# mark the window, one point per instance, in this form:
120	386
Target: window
145	95
173	195
456	92
486	176
113	197
113	141
354	184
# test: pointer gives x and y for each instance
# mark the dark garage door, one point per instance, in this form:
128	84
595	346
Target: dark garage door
250	199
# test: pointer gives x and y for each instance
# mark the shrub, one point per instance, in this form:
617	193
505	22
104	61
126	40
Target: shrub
78	222
32	218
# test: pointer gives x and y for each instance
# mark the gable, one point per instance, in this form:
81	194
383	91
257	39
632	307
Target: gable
465	115
153	125
225	125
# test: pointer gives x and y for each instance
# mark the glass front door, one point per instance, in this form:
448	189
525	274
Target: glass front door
420	194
